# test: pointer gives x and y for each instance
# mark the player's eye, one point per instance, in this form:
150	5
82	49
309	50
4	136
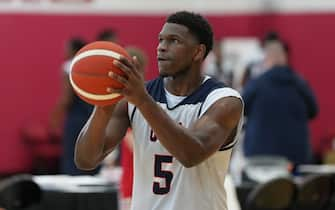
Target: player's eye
175	41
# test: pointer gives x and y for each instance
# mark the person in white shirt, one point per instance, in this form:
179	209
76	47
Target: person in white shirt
184	124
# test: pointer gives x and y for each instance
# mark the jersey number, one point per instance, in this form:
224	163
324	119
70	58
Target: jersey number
159	172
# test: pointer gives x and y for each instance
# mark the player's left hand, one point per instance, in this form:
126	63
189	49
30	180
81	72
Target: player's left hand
134	89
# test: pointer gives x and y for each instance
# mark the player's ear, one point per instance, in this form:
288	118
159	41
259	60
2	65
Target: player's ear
200	52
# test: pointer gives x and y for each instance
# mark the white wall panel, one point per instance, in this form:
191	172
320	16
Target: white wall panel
165	6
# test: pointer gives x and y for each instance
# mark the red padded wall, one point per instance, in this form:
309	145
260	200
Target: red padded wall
32	49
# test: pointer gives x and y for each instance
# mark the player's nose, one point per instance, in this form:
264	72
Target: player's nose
162	46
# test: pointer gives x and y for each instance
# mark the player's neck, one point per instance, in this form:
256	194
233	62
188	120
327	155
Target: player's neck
183	85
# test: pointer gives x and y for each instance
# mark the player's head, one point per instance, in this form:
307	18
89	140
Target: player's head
74	45
107	35
184	42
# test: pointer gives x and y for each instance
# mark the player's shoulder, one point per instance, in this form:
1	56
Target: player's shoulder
218	89
224	92
212	83
220	93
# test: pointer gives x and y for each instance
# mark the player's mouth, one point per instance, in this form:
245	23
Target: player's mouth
162	59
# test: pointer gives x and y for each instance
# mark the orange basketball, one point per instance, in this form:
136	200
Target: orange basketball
89	72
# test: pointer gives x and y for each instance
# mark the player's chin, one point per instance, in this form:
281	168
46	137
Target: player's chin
164	73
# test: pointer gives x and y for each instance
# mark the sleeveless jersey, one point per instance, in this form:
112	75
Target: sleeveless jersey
161	182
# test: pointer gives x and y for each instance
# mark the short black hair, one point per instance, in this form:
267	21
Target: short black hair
76	44
197	25
106	34
273	36
269	37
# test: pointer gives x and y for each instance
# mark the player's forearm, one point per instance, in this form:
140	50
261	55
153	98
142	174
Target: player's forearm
89	149
187	147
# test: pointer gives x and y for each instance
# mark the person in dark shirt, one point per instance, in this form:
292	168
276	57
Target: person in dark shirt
71	111
278	106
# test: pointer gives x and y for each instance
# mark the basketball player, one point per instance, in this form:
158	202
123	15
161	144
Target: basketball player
184	124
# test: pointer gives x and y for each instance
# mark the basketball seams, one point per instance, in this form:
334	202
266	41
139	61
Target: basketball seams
95	52
91	95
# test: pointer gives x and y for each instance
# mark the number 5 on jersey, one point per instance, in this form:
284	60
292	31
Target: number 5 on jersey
164	174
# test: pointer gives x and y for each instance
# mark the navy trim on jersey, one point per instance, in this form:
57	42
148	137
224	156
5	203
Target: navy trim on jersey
132	115
226	147
230	144
157	91
200	110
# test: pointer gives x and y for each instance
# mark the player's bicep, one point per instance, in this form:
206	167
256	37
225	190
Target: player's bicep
117	126
218	125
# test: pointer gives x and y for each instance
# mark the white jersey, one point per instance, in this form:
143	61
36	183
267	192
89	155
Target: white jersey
161	182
